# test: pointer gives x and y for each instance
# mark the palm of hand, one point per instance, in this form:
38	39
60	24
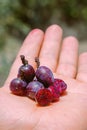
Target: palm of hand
60	114
68	113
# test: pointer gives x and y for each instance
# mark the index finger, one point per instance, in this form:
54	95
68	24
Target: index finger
30	49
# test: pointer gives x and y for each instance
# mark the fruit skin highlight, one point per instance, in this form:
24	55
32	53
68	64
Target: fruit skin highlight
44	75
32	88
44	97
26	71
18	86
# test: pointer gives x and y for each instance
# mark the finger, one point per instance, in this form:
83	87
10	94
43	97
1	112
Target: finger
82	67
30	49
68	57
51	45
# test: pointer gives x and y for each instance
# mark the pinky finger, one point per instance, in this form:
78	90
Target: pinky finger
82	68
30	49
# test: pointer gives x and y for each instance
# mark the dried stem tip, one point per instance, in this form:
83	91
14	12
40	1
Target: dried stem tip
24	61
37	61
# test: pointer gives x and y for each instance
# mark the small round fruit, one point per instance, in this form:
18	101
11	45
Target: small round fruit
44	97
44	75
32	88
18	86
60	86
26	71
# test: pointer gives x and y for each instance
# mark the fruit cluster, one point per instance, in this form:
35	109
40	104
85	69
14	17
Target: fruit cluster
39	85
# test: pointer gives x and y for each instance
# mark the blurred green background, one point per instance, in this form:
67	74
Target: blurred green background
18	17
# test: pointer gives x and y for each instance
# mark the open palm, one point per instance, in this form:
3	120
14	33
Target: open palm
61	56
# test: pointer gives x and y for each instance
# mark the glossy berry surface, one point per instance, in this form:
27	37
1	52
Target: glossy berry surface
55	94
44	75
26	71
60	85
32	88
18	86
44	97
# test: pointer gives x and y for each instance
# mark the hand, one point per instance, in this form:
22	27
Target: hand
61	56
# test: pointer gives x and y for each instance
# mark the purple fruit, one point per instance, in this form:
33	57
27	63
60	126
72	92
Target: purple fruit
26	71
44	97
39	86
32	88
44	75
18	86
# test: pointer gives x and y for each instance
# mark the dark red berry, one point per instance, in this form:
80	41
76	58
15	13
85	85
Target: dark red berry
18	86
55	94
44	75
32	88
26	71
44	97
60	85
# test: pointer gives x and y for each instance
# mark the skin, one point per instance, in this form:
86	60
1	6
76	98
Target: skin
61	56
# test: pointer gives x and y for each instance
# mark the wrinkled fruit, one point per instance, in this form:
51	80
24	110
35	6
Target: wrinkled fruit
44	97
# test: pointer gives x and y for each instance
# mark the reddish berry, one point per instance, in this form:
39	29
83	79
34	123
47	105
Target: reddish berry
44	97
18	86
55	94
60	85
32	88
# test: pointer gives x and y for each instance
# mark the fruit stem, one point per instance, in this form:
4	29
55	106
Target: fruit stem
24	61
37	61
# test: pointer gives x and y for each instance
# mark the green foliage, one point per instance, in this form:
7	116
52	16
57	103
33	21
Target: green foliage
73	10
19	16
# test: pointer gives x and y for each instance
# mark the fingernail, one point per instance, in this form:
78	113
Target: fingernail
34	31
